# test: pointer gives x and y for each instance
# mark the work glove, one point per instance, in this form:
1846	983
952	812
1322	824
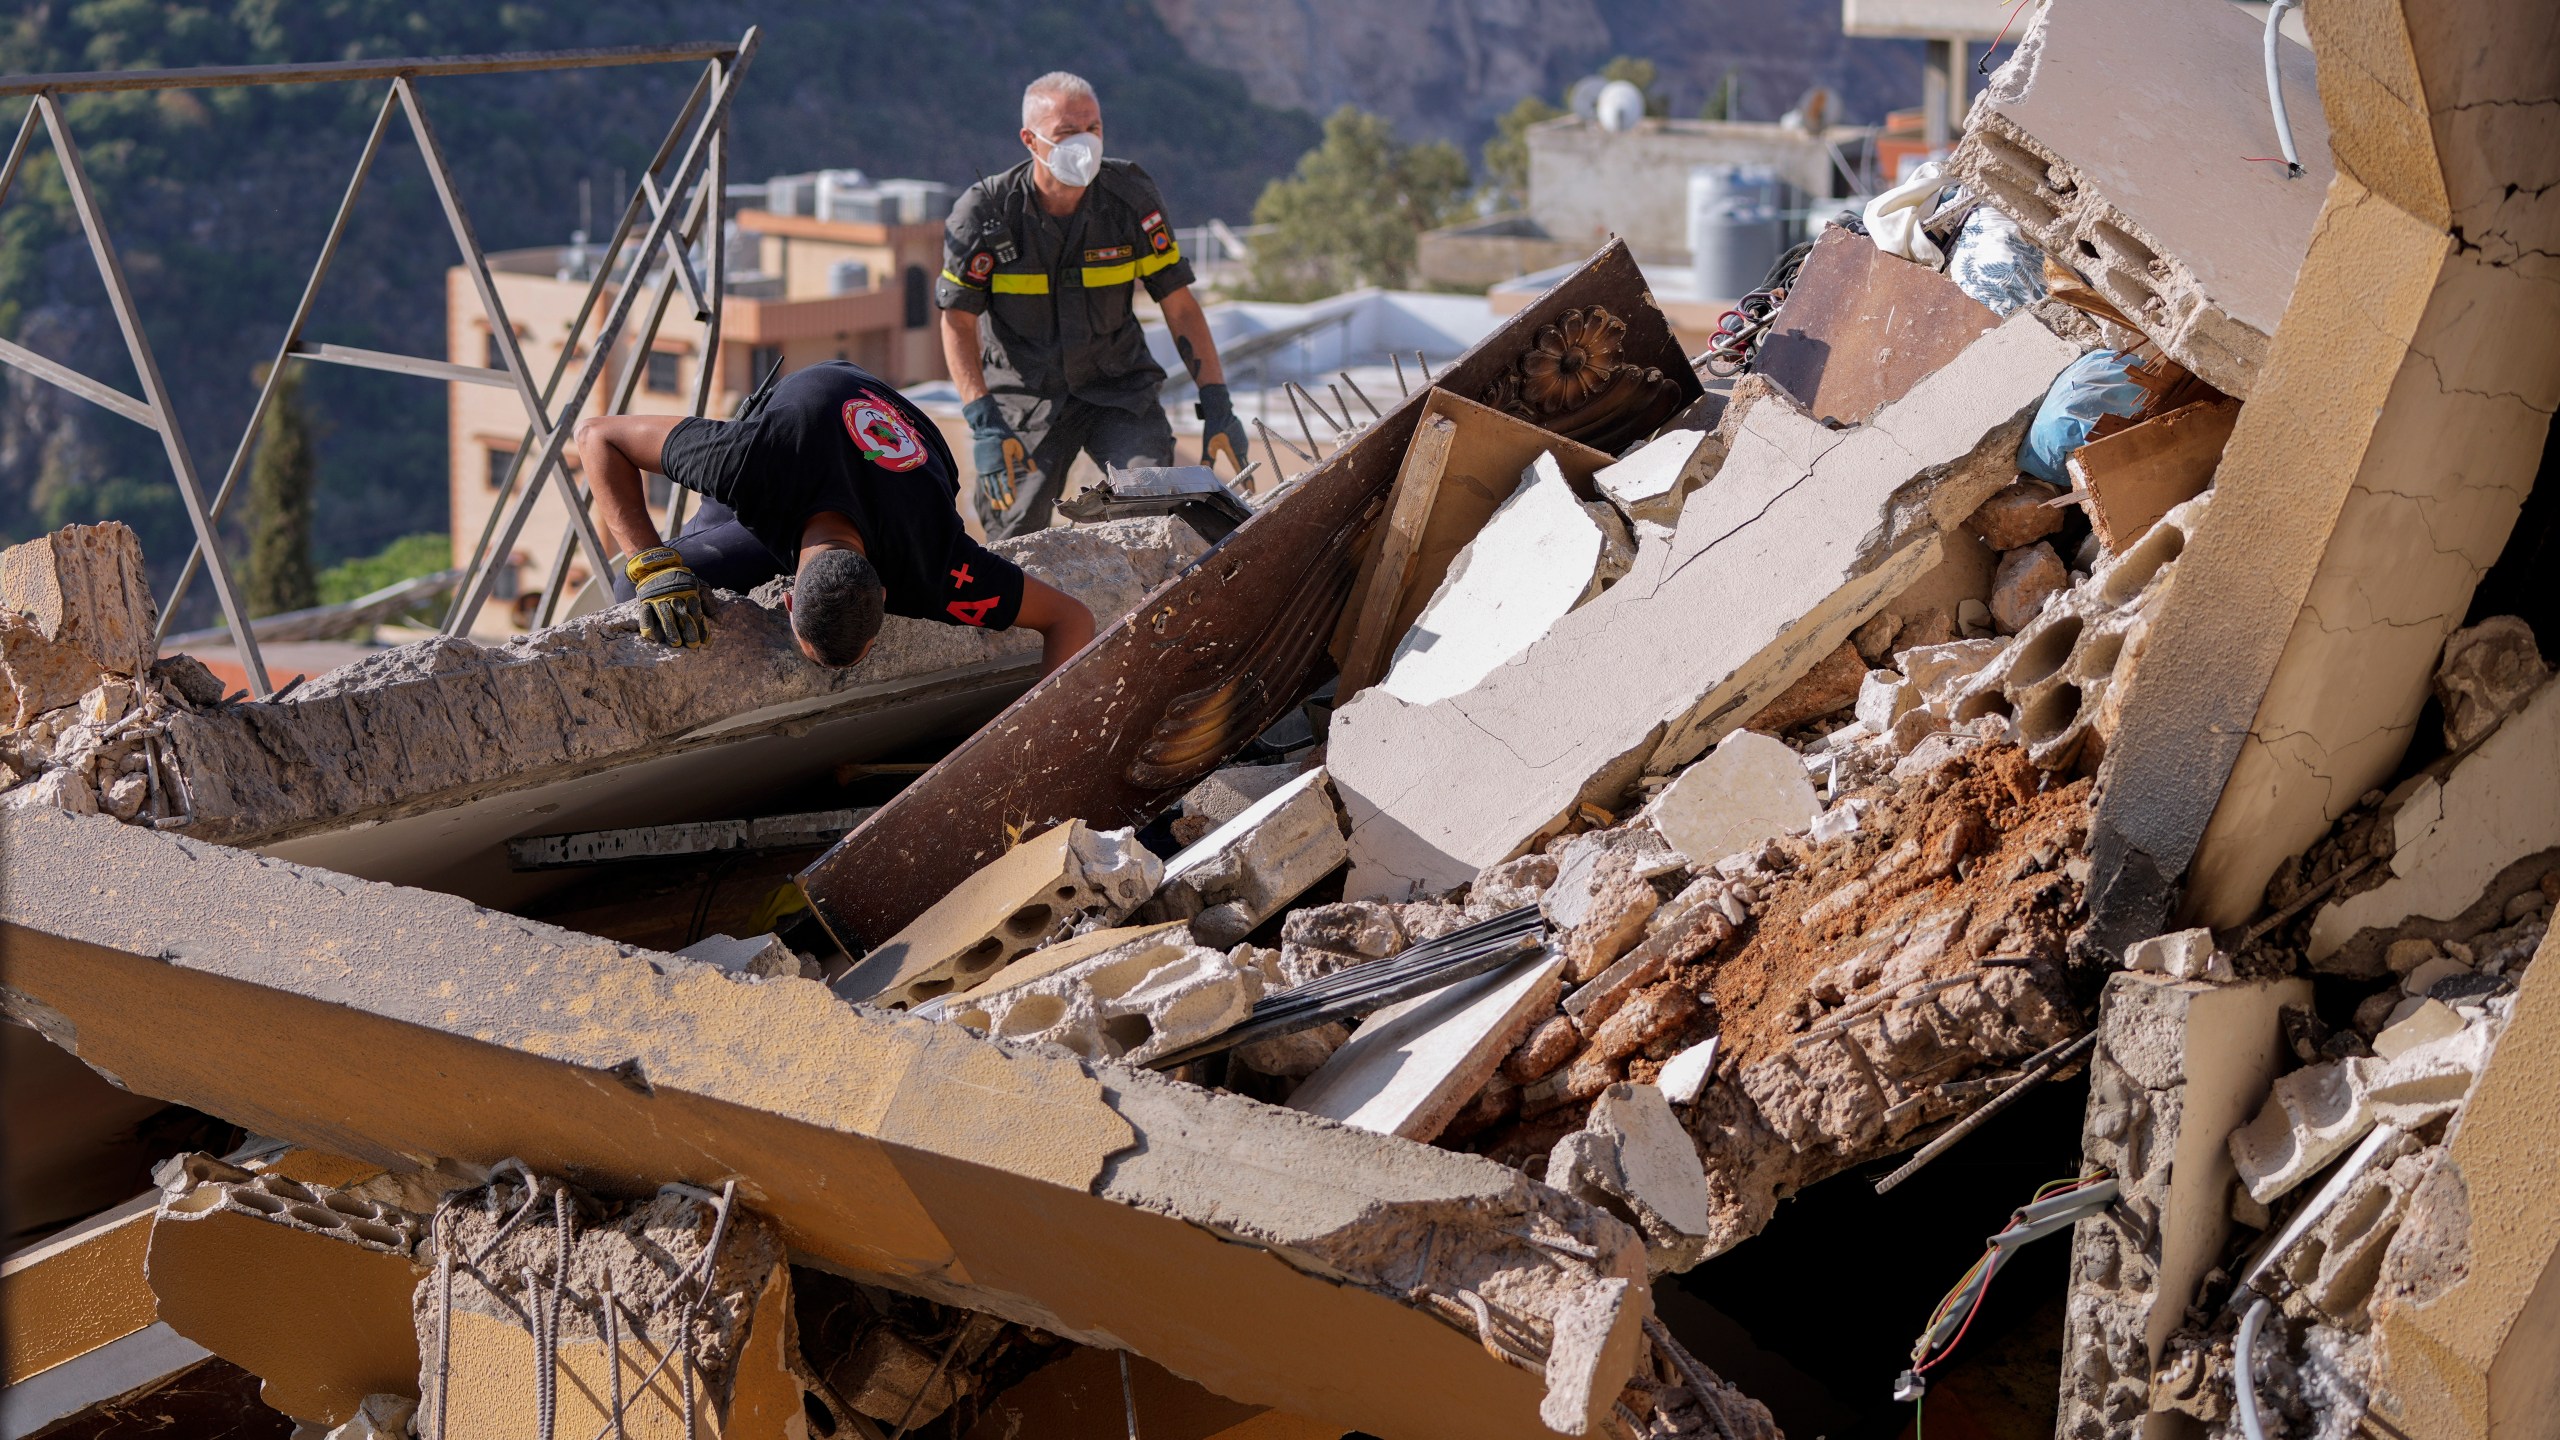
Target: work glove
1000	453
1220	430
670	598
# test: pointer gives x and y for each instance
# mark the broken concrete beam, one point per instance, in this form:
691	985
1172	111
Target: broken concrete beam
1411	1067
1146	996
1025	900
304	1286
701	837
1748	789
1159	701
1805	533
1232	879
2131	478
2179	1066
622	1319
74	605
2198	251
1655	478
1859	328
1535	558
2407	400
1634	1159
420	762
80	1292
1107	1206
2455	838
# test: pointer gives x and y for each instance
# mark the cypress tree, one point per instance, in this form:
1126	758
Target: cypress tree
280	485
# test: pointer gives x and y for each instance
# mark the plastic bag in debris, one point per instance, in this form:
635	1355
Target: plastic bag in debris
2097	384
1893	218
1996	264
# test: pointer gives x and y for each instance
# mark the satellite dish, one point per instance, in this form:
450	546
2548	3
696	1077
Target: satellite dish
1584	98
1619	107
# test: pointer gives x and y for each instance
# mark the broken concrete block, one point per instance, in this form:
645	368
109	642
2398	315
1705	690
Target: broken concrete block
2138	474
1633	1158
1803	536
2427	1082
2489	671
1883	698
1228	792
77	604
2426	1022
2061	679
2179	1065
55	790
1241	874
762	957
1611	914
1510	885
1586	862
2454	837
2018	515
1025	900
2025	580
1535	560
335	1274
1829	687
1411	1067
1134	1001
2198	252
380	1417
1748	789
2311	1117
1547	1048
1656	477
1939	672
2184	955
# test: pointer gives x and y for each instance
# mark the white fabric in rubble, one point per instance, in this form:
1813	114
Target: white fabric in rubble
1893	218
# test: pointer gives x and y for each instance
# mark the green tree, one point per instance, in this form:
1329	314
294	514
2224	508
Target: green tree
1506	155
1642	75
1722	101
406	558
280	485
1350	214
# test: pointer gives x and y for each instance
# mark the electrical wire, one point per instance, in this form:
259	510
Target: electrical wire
2244	1379
2275	91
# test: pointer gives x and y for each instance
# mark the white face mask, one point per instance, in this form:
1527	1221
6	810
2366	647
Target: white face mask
1075	160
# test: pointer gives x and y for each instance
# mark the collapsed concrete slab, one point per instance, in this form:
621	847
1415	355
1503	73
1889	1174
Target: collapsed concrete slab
2110	136
416	765
2372	478
1803	534
1268	1256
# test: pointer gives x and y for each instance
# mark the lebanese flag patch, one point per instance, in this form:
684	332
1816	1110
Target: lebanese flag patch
887	440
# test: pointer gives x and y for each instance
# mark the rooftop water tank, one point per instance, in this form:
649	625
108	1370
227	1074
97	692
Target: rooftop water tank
1737	228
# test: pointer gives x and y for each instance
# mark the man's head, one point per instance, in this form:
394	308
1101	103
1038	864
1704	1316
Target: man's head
835	604
1056	108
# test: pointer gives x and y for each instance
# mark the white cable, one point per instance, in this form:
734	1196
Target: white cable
2275	91
2244	1382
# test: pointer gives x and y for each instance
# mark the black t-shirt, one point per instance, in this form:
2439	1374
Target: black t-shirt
836	437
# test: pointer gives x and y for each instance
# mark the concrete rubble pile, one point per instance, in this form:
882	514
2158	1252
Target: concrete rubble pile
1437	932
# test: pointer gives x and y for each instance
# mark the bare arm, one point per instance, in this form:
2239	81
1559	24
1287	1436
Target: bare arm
960	353
1184	317
1065	625
613	450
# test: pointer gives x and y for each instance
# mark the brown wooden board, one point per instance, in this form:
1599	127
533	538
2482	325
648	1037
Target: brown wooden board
1167	693
1464	461
2138	474
1861	328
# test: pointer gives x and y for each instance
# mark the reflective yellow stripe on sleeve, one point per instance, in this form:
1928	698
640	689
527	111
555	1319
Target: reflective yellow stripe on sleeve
1004	284
1151	264
1097	277
964	284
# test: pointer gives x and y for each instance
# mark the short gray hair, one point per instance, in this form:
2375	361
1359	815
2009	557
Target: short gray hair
1058	85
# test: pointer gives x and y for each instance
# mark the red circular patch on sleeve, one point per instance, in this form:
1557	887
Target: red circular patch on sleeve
884	435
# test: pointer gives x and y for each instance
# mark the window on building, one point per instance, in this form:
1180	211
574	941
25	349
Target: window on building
919	298
493	357
499	461
761	359
662	372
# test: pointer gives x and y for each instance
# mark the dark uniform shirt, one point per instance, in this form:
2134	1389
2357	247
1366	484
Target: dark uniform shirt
1056	290
835	437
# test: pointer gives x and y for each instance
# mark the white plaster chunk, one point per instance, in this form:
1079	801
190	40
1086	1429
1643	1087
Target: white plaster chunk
1533	561
1242	872
2182	955
1751	788
2427	1021
380	1417
1684	1076
1884	697
1651	483
1411	1067
1633	1157
1804	535
1132	1002
2452	838
2310	1119
2430	1080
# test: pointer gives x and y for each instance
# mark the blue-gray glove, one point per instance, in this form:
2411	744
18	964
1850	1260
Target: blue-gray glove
1000	454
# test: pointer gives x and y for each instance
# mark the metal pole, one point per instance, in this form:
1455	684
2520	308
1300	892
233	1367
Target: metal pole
495	309
577	326
219	77
155	392
17	151
284	351
623	301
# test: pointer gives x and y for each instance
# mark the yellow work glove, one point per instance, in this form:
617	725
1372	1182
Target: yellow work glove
670	598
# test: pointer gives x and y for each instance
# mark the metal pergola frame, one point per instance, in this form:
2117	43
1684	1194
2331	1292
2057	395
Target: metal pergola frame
677	212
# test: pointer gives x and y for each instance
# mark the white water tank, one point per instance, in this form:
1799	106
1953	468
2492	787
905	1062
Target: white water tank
1737	228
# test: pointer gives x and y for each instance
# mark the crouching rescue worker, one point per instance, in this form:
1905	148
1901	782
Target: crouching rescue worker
834	479
1039	317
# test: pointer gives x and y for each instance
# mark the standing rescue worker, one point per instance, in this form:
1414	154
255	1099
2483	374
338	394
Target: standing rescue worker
1039	315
